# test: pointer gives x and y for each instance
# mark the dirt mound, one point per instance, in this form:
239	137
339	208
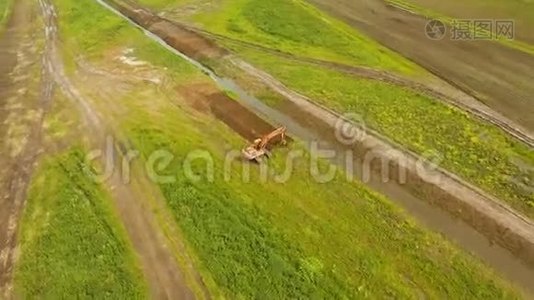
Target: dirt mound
185	41
179	37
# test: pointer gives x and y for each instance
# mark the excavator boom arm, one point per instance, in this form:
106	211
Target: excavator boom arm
266	139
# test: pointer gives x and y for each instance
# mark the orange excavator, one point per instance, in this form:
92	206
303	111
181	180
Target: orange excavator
258	149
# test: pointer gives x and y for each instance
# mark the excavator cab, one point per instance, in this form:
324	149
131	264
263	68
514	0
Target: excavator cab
258	149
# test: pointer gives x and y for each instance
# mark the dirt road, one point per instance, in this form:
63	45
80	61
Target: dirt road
498	76
21	137
165	278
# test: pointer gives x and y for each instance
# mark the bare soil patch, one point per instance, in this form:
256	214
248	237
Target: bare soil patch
518	10
497	75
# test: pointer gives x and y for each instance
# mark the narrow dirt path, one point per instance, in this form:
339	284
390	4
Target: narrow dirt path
165	279
117	81
14	184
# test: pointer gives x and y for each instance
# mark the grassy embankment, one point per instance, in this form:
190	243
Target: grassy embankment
298	239
256	238
71	244
482	154
520	12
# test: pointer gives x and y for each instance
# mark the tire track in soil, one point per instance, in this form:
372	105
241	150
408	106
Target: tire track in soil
14	189
161	270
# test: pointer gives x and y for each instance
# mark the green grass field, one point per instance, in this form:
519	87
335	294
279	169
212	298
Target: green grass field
300	239
269	238
480	153
71	243
294	27
165	4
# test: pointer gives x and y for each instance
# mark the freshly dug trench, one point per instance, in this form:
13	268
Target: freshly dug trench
205	98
